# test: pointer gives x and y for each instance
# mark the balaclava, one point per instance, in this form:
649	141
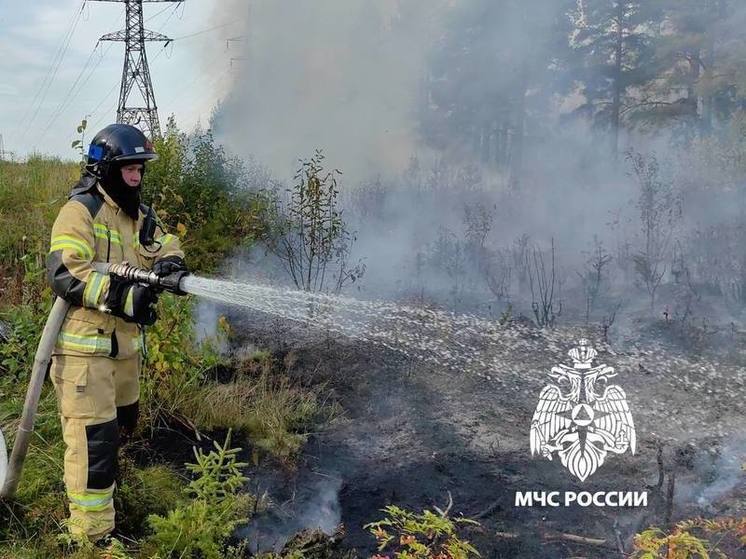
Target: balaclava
125	196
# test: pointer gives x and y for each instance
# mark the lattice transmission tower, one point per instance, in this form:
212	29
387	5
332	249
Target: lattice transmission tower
136	98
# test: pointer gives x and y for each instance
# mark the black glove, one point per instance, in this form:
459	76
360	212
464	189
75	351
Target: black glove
169	265
171	270
134	302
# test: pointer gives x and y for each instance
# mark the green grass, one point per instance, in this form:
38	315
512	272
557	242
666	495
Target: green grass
275	414
31	194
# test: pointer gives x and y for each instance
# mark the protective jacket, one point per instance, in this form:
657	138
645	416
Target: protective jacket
92	228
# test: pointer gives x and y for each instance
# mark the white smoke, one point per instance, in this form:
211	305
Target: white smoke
717	471
339	75
317	508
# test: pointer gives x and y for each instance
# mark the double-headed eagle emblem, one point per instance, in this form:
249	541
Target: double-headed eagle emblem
576	421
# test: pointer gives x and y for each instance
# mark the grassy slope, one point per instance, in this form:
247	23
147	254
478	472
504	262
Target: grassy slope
174	384
30	195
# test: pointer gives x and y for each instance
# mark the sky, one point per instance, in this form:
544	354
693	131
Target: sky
44	96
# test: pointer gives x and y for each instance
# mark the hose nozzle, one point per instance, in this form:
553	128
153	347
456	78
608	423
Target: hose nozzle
126	271
171	282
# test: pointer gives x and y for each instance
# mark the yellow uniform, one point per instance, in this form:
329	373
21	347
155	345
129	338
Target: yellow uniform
96	362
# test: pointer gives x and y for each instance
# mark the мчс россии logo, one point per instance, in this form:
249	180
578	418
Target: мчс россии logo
580	417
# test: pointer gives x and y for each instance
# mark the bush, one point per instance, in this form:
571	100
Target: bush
207	197
176	366
689	539
422	536
307	232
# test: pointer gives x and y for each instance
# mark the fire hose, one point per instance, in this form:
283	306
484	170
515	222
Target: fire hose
10	471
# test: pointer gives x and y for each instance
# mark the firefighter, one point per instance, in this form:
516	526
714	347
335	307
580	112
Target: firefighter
96	362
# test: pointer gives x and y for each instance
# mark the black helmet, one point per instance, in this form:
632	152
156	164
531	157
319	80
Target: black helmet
118	142
112	148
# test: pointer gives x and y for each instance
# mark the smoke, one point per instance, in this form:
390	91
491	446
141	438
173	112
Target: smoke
387	90
716	472
439	203
349	77
315	506
338	75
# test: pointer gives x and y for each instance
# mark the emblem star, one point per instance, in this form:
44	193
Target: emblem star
582	415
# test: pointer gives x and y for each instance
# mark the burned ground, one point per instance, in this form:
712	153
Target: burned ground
412	433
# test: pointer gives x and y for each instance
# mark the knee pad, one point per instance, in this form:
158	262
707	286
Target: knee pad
103	446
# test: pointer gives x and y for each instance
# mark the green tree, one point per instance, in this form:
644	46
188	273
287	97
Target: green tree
614	44
660	209
702	76
490	79
308	234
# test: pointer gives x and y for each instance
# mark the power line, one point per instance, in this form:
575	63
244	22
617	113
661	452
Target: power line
107	96
173	11
71	25
158	13
214	76
205	31
41	93
71	93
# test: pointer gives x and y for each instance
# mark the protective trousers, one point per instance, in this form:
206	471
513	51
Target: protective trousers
98	403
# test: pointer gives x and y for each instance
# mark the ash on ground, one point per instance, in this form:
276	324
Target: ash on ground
412	433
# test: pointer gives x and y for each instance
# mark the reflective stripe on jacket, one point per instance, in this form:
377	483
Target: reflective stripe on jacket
92	228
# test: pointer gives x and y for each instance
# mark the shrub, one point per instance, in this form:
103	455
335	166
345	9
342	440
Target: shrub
211	199
685	543
307	232
176	365
422	536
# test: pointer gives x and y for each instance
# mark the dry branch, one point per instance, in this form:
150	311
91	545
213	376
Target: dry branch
574	538
445	512
551	536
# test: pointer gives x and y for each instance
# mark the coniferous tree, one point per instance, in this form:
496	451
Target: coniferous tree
490	79
614	45
699	57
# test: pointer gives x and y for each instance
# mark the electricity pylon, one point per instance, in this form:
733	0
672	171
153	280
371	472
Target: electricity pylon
136	74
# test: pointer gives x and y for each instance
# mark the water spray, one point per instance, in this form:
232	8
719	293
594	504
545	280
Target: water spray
10	470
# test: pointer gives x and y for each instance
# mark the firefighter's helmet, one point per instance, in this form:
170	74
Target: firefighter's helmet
111	149
115	146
